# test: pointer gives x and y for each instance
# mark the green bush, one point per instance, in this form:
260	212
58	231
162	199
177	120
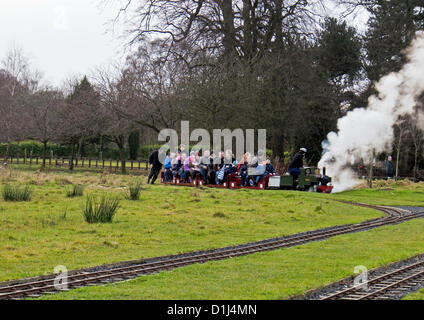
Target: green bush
146	150
74	190
134	191
16	193
17	149
100	210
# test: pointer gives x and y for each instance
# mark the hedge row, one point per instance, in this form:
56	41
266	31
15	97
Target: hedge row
18	150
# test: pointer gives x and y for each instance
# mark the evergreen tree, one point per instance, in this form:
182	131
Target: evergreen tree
339	49
134	144
391	29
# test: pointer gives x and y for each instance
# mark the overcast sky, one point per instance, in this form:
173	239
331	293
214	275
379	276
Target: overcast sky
66	37
61	37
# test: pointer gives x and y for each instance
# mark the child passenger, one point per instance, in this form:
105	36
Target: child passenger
185	167
168	166
194	165
242	167
268	169
176	164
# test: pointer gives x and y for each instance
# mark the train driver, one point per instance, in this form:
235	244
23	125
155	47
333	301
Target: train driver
297	163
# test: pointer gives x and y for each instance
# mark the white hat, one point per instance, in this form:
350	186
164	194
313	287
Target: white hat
304	150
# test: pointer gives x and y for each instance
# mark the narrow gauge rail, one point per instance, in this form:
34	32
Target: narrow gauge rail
387	286
35	287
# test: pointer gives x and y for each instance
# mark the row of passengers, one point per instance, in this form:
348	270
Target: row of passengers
190	166
215	169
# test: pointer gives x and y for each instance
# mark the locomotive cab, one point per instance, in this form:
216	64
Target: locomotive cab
308	179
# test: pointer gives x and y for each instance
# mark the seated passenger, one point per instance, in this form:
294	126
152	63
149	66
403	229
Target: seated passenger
176	165
204	165
194	165
220	176
269	169
168	166
297	163
260	172
242	169
213	168
185	168
225	169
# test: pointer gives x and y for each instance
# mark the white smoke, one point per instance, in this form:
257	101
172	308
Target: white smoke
364	131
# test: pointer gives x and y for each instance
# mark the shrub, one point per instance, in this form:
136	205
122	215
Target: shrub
134	191
100	210
74	190
15	193
18	149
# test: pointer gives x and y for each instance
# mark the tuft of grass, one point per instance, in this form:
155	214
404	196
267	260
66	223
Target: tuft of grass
220	215
100	210
16	193
75	190
134	191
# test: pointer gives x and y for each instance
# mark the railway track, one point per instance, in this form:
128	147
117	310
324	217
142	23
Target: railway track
38	286
390	285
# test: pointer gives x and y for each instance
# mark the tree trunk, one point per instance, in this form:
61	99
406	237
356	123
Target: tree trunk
247	26
123	160
371	170
277	146
101	148
71	162
279	22
415	162
228	29
8	147
43	166
398	154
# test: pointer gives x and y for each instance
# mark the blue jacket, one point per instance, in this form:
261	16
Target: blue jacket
168	163
270	168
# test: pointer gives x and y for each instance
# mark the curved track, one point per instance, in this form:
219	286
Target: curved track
38	286
387	286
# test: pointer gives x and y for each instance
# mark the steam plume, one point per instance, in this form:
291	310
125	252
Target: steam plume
364	131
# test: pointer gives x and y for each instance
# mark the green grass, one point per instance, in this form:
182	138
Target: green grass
74	190
412	195
16	193
113	166
271	275
134	191
100	210
415	296
49	231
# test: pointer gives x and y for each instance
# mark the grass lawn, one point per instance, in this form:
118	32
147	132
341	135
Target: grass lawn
270	275
415	296
50	230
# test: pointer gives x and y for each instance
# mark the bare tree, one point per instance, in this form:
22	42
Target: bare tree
117	96
43	108
242	28
14	78
80	118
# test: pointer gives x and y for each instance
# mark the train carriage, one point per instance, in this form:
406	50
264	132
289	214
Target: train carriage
310	179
